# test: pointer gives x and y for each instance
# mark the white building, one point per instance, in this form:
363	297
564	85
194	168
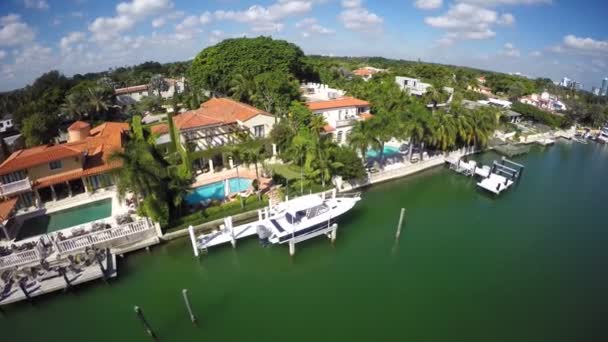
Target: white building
130	95
216	121
320	92
340	112
5	125
565	82
413	85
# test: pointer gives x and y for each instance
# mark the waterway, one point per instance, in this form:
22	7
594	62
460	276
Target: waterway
529	265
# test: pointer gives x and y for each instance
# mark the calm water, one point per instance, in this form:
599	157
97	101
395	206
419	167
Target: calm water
528	266
66	218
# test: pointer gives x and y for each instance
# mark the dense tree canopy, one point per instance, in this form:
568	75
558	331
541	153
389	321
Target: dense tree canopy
215	67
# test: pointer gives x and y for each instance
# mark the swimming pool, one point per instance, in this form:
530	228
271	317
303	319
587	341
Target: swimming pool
388	151
65	218
216	190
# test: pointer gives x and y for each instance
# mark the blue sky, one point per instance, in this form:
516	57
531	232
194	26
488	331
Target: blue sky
550	38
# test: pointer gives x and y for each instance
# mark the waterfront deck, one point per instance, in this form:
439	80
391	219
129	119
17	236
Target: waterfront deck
53	281
495	183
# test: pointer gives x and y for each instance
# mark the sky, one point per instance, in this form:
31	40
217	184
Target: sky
538	38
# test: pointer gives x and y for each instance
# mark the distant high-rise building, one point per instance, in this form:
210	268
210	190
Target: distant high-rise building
604	90
565	82
595	91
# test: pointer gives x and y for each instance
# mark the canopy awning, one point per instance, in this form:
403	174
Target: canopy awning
6	208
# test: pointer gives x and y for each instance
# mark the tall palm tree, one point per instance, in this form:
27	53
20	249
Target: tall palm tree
72	107
362	137
444	131
415	127
98	99
242	88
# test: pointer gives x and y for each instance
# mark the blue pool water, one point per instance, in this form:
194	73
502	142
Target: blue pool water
215	191
388	151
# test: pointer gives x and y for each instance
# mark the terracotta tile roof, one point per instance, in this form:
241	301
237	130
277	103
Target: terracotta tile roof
363	72
160	129
133	89
6	208
217	111
78	125
337	103
104	139
328	128
366	116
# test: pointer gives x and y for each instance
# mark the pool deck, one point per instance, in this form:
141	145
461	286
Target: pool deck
244	172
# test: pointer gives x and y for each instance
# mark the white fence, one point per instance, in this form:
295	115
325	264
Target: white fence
21	258
105	237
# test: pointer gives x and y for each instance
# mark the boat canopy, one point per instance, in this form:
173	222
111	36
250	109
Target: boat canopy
303	203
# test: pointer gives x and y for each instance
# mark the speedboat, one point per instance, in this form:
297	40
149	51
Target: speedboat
297	219
603	136
305	217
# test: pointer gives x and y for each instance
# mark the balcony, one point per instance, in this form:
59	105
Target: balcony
345	122
16	187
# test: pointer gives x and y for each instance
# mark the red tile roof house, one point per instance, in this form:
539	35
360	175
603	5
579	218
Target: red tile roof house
341	114
46	173
215	123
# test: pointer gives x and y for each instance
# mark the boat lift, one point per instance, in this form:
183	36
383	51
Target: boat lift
228	233
497	178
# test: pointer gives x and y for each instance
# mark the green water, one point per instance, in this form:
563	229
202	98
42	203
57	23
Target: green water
528	266
65	218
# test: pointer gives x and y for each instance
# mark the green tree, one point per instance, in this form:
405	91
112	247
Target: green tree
38	129
274	92
158	84
216	66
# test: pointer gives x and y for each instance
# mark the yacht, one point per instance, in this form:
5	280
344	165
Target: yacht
304	217
297	219
603	136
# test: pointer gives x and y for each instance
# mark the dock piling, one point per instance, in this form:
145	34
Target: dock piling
292	247
193	240
334	233
142	319
400	223
187	302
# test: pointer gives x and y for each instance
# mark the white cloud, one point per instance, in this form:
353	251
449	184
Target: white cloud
465	21
358	18
188	28
351	3
428	4
206	18
493	3
266	19
36	4
13	31
158	22
34	55
585	44
72	38
509	50
310	26
2	54
128	13
536	54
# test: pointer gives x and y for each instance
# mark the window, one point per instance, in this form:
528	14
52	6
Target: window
54	165
258	131
339	138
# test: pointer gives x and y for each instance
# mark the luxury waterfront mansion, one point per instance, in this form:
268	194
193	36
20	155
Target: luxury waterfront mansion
214	124
341	112
33	176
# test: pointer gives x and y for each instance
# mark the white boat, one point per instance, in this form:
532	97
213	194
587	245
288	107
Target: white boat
305	217
603	136
299	219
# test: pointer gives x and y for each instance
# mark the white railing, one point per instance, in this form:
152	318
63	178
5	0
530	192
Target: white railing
21	258
107	236
345	122
14	187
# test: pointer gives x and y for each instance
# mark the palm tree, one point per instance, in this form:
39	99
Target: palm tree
98	99
415	128
444	131
362	137
72	107
242	88
252	151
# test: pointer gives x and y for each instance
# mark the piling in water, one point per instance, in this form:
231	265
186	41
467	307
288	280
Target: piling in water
188	307
400	223
144	322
